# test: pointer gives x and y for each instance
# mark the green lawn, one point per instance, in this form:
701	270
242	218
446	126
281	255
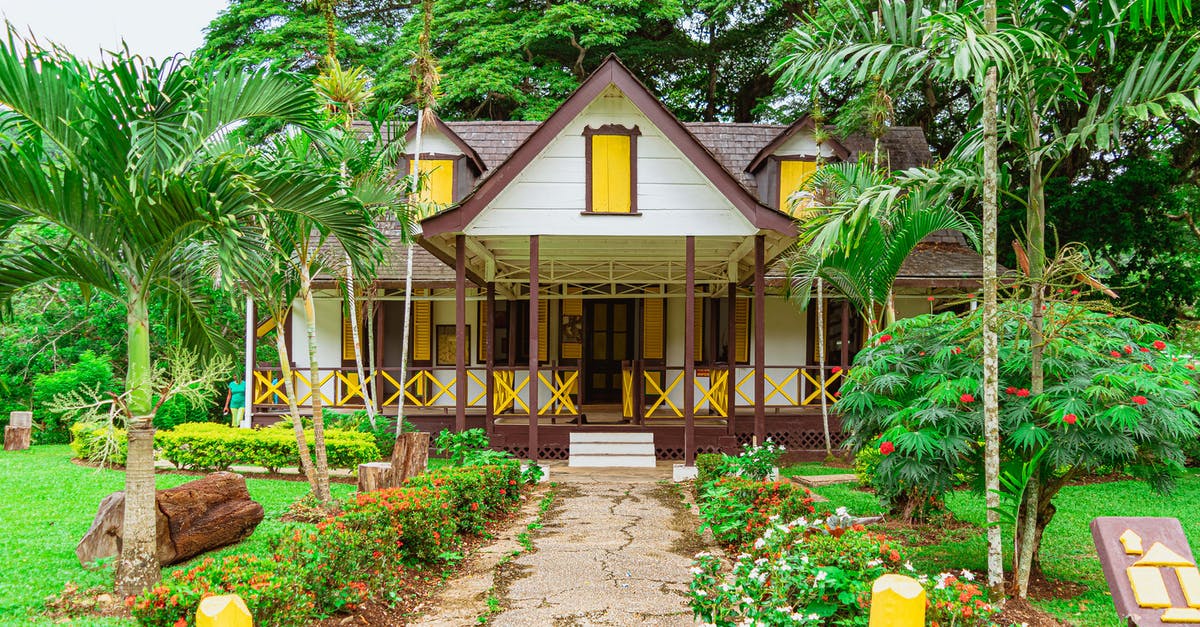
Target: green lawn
48	505
814	468
1067	552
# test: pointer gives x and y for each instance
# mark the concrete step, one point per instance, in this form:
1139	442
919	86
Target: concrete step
612	461
612	448
579	437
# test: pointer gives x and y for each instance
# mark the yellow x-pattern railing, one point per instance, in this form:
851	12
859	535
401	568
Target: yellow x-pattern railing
661	395
560	392
715	394
627	393
773	388
508	391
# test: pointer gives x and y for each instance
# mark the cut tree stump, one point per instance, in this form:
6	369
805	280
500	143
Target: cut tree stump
16	438
374	476
193	518
410	456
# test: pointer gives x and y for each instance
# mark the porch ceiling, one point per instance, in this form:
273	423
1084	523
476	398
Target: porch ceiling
585	260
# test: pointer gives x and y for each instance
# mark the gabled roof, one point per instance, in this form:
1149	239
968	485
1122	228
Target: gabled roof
804	123
611	72
433	119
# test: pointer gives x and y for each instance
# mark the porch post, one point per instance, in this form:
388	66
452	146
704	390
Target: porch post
760	344
731	353
635	364
251	346
460	333
689	354
380	333
489	359
845	334
533	347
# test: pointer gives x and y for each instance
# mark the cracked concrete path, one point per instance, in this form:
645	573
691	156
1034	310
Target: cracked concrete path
615	549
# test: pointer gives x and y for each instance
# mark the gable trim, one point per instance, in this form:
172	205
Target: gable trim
611	72
805	122
468	152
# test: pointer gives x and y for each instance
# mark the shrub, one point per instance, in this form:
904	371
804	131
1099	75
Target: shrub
90	373
209	446
709	467
756	462
179	410
461	446
954	600
866	461
737	510
334	566
384	431
99	443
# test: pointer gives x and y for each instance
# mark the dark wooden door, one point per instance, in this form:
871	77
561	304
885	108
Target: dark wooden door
608	341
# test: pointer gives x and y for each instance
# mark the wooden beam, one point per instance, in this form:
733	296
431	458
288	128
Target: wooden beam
533	347
760	345
489	260
689	352
460	333
489	336
735	258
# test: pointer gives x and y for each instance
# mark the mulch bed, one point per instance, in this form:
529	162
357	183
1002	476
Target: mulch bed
1022	612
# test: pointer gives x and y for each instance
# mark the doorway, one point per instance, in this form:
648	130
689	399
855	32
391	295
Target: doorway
608	341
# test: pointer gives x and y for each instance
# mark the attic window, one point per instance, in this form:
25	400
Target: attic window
611	158
437	185
794	172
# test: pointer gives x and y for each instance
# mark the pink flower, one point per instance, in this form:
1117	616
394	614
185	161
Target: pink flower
967	398
1070	418
1159	344
1140	400
887	448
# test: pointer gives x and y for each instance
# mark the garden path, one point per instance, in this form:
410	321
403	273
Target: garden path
615	548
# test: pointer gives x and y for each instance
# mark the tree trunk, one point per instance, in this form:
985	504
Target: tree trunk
353	311
821	365
416	168
138	568
289	384
991	323
314	369
1029	533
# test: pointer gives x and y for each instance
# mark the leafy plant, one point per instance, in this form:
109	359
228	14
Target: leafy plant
460	446
737	509
209	446
92	374
533	473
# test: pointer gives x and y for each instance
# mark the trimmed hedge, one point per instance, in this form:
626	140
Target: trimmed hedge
365	552
88	442
210	446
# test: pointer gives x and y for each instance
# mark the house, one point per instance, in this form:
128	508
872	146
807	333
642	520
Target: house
626	264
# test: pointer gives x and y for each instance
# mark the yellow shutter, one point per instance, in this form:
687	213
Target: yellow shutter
572	325
422	329
543	330
652	326
793	175
611	187
348	333
438	181
698	330
741	323
485	324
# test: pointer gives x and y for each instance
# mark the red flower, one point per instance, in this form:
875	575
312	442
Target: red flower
1148	367
967	398
1143	349
1128	349
931	299
1190	366
1159	344
1140	400
377	554
1070	418
970	296
887	448
181	622
1116	354
885	338
1023	392
1074	292
1010	390
835	369
956	350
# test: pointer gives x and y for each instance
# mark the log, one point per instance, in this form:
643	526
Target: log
193	518
410	456
375	476
16	438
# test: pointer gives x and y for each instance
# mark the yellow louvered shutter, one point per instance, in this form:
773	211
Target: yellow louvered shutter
698	330
741	322
611	175
572	325
653	314
348	333
793	175
438	183
422	330
485	325
543	330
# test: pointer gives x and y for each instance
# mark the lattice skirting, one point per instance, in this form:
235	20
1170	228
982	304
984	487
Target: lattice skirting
806	440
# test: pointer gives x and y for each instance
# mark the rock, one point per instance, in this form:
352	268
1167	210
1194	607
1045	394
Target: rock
193	518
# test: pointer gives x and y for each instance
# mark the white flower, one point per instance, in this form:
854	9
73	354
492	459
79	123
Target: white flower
803	559
760	561
821	575
760	543
814	617
842	511
701	593
696	570
968	575
909	567
873	563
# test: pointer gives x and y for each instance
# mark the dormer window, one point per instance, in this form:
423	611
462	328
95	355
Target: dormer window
794	172
437	173
611	162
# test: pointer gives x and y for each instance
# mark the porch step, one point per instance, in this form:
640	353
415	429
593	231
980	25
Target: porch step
612	450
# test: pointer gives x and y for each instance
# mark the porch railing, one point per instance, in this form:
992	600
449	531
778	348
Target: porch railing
661	388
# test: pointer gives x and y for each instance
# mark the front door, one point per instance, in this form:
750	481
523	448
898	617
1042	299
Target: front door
608	342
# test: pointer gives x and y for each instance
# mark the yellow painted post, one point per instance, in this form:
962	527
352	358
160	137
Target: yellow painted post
227	610
897	601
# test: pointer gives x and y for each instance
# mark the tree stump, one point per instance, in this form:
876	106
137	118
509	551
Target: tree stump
193	518
410	456
375	476
17	433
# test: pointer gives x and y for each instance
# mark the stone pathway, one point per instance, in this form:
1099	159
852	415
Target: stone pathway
614	549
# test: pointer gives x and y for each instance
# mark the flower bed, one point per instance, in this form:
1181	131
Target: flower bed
334	566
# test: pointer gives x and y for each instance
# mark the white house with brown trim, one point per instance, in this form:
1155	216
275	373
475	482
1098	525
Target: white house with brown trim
646	250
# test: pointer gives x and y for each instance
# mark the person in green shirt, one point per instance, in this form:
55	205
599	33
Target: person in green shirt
235	400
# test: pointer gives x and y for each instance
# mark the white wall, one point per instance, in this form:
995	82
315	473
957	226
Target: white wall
433	141
802	143
548	195
329	340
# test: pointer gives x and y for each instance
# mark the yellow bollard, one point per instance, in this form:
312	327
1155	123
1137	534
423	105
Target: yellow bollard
227	610
897	601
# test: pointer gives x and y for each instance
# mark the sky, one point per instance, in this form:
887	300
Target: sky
151	28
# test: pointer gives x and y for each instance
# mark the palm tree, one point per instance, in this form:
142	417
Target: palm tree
120	160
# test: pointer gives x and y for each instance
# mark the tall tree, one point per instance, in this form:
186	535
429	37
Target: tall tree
120	158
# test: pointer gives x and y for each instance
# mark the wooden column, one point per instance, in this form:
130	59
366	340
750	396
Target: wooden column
380	333
489	416
689	353
760	345
533	347
460	333
635	364
731	354
845	334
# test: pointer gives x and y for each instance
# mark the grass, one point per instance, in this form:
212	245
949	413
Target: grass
814	468
1067	551
48	506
